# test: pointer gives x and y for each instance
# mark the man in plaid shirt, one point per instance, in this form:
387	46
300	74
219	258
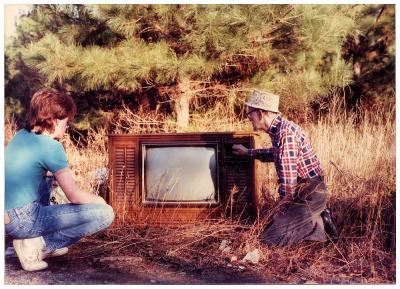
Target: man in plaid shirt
302	187
292	154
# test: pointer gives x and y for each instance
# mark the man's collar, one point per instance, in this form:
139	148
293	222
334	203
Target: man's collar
275	126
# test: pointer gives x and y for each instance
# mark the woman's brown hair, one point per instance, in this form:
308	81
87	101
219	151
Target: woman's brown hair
46	106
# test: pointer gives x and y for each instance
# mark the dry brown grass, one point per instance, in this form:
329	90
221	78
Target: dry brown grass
358	157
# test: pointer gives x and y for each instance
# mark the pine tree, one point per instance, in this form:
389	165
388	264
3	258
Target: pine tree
144	55
371	51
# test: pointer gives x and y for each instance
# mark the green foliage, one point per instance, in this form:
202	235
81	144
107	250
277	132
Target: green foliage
12	106
95	68
315	68
58	62
92	118
198	67
372	48
131	53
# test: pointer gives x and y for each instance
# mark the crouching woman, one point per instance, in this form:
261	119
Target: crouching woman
39	230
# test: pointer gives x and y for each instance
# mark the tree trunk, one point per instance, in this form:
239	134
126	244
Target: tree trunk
358	54
182	102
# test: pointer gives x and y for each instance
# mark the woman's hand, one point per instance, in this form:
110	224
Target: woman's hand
72	192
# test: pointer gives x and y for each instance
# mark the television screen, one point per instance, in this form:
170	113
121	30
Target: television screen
186	174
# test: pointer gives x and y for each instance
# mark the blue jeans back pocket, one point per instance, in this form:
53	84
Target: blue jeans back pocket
22	220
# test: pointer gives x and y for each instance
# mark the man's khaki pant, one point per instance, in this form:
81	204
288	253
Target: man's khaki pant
302	218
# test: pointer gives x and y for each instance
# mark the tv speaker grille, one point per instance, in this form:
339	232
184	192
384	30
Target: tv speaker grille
124	175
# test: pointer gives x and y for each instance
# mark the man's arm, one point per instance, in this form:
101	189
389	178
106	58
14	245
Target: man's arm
288	154
74	194
264	155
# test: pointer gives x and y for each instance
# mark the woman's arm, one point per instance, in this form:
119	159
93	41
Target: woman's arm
74	194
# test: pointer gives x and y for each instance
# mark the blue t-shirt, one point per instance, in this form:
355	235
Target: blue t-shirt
27	157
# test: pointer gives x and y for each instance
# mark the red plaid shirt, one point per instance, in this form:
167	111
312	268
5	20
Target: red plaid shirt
292	153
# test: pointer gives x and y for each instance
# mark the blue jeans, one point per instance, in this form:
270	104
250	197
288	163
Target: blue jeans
59	225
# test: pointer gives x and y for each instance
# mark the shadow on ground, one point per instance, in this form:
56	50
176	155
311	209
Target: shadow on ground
70	269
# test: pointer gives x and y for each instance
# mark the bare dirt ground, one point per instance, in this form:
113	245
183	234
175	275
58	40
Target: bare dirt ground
74	269
131	258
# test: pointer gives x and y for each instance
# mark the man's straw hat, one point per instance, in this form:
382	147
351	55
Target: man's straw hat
263	100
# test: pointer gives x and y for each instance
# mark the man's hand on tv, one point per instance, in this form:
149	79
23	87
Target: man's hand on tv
239	149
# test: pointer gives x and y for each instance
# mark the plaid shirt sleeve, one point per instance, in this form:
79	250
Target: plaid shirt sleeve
264	155
287	163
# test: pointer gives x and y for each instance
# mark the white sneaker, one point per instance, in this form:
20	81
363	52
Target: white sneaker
55	253
30	253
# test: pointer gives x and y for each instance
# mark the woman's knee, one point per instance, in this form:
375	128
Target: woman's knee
107	215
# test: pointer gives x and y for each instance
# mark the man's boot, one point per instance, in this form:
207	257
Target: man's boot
329	226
